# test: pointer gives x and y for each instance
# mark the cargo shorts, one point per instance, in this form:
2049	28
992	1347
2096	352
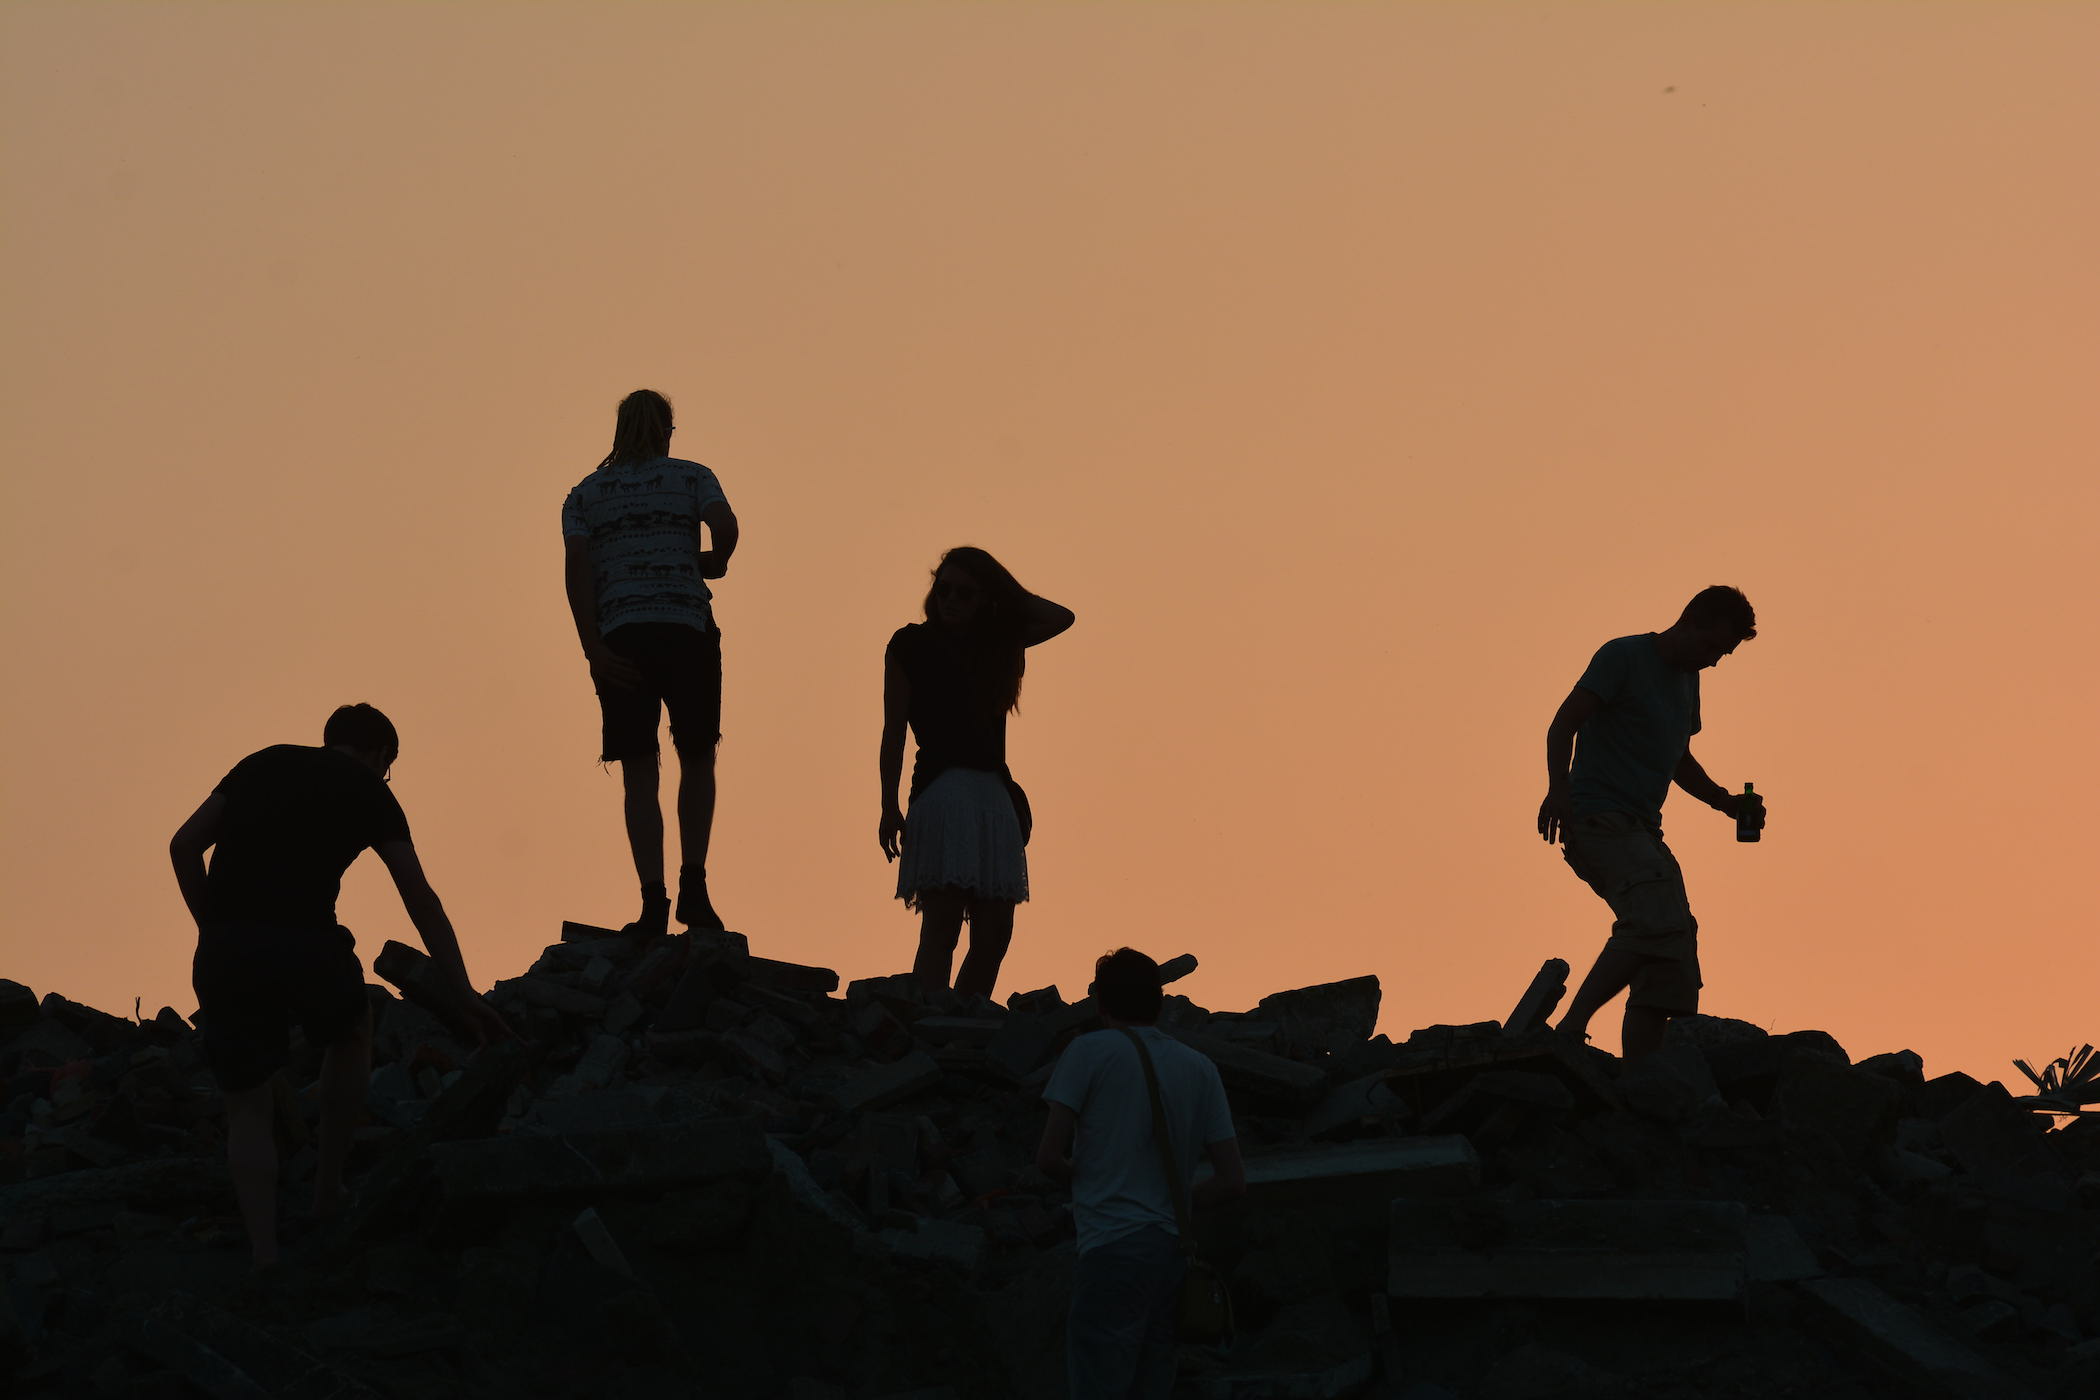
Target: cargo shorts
1625	861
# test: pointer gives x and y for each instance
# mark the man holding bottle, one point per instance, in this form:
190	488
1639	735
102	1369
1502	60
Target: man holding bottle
1636	709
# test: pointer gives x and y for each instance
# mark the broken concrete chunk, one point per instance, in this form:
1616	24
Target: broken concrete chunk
1430	1166
1667	1085
941	1241
1257	1074
883	1085
1368	1100
1535	1008
957	1030
538	990
1859	1317
1022	1042
522	1166
18	1008
1331	1016
792	977
1635	1250
599	1243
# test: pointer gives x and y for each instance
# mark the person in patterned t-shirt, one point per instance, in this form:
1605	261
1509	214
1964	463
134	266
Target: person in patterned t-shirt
637	583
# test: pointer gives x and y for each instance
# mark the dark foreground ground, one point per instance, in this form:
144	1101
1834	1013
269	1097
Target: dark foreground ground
702	1173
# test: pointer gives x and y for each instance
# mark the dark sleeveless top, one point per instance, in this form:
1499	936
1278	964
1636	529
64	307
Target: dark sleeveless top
957	715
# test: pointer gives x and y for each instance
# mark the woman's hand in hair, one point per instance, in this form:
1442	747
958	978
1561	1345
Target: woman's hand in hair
891	832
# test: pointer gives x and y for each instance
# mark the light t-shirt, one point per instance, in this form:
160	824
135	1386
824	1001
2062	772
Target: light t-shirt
643	523
1118	1184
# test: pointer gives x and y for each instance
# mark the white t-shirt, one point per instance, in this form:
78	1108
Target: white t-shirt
1118	1184
642	520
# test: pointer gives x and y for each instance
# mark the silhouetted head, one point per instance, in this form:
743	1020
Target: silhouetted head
641	430
365	734
1127	987
1717	621
975	597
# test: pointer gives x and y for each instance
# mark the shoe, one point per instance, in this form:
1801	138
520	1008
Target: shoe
694	908
656	915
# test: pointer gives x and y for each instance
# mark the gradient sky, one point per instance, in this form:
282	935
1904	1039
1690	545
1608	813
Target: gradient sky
1352	371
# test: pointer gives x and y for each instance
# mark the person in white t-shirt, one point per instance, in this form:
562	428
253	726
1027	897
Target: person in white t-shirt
1119	1340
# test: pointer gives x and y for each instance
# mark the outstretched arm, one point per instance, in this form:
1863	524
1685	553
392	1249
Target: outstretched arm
1573	713
186	849
722	534
896	707
427	913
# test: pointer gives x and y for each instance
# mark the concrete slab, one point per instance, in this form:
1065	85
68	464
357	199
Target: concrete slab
1650	1251
1859	1317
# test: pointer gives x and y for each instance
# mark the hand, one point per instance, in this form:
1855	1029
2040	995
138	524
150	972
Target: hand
1553	814
612	671
1736	804
891	832
713	565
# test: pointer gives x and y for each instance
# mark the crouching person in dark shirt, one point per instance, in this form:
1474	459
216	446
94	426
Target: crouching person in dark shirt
286	823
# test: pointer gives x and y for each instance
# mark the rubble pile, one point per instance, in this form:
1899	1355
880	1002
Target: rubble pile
699	1171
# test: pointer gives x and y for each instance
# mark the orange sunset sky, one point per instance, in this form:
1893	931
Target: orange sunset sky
1352	370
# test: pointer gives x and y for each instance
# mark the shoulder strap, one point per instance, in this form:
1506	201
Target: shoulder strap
1176	1187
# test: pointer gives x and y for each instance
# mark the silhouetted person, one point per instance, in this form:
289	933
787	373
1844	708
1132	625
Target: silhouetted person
954	678
1119	1339
1629	723
637	584
286	823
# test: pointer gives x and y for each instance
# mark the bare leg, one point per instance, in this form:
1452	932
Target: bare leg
940	925
991	930
645	818
1610	975
251	1153
696	824
346	1068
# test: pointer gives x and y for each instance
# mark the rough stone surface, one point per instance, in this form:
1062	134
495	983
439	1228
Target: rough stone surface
696	1171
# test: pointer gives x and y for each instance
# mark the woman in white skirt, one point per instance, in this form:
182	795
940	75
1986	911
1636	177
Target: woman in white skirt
954	678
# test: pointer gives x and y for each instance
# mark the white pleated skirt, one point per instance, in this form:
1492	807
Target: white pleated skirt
961	832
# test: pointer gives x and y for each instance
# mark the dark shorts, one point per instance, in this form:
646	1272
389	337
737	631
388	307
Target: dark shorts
681	673
255	981
1625	861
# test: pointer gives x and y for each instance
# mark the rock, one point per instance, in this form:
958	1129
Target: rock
883	1085
1668	1085
1855	1110
18	1009
1859	1317
525	1166
1260	1076
1655	1251
1330	1016
1534	1010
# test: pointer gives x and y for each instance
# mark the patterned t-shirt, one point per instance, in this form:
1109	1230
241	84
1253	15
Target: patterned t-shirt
643	523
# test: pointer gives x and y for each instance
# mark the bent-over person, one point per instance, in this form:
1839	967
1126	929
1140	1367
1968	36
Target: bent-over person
282	827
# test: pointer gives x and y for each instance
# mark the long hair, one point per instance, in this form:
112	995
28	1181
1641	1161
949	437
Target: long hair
996	636
642	431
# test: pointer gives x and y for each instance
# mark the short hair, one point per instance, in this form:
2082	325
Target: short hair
1127	985
1722	606
363	728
